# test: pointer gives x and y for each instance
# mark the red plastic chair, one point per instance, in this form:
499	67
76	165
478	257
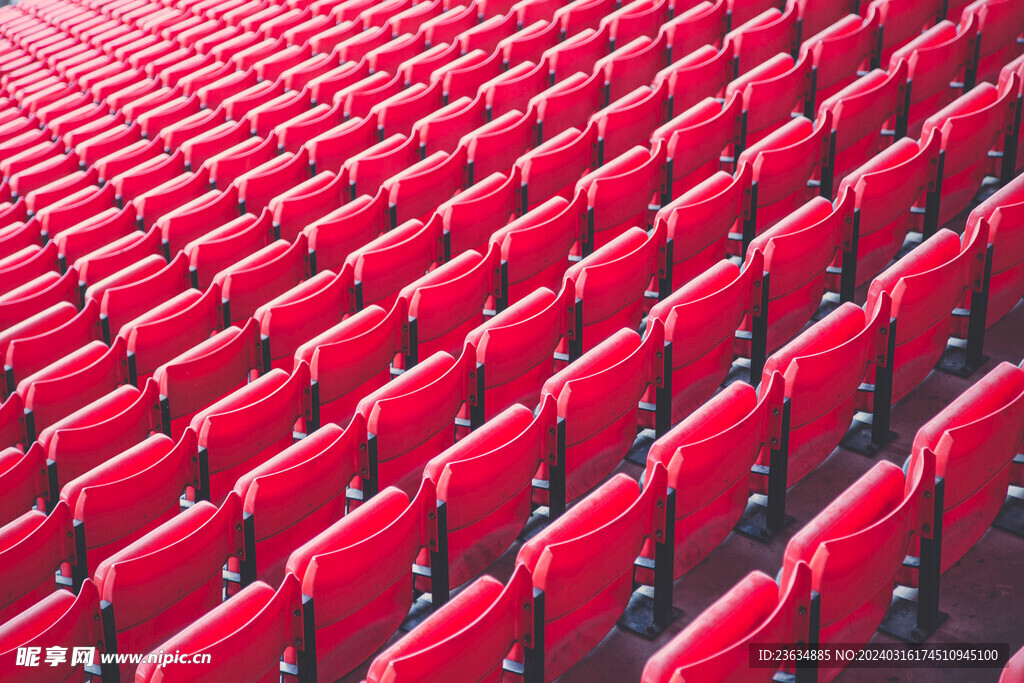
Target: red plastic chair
126	497
975	439
148	605
320	466
717	642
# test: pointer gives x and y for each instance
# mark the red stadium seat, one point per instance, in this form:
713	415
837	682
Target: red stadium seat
823	397
260	277
301	313
611	284
334	236
971	126
696	140
598	396
606	530
975	439
771	92
72	382
785	163
386	264
248	427
483	521
758	39
925	286
119	501
485	621
23	481
1001	212
886	189
320	466
146	605
356	600
999	26
372	336
59	620
218	366
517	350
28	354
797	253
472	216
739	421
34	546
935	59
447	303
701	319
629	120
855	547
715	644
620	192
83	440
409	428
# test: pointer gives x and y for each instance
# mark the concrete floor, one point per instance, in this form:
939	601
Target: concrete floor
983	593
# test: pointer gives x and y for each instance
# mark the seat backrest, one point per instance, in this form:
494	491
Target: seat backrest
971	126
262	276
712	490
495	146
342	231
517	349
72	382
699	220
859	113
171	328
553	167
320	467
485	480
33	547
358	576
611	282
856	545
249	426
771	92
798	251
975	439
702	24
701	319
598	396
486	620
696	139
413	416
148	604
99	431
206	372
823	369
472	216
23	481
1002	212
763	36
28	354
445	304
59	620
134	492
301	313
388	263
716	643
628	120
244	637
353	358
704	72
885	189
839	48
584	564
620	192
535	247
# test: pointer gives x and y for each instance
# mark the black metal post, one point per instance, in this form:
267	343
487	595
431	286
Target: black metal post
440	581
